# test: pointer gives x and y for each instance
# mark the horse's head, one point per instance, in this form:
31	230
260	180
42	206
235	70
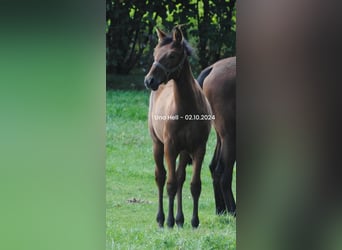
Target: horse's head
169	57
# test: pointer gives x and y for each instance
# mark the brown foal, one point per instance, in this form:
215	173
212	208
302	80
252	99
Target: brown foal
176	103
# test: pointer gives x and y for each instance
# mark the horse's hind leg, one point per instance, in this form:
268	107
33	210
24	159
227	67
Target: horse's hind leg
216	167
184	159
196	185
228	158
160	176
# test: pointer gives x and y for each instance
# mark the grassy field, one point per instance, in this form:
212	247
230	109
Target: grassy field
132	193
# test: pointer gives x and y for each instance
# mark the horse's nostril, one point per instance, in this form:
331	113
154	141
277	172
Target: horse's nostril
148	82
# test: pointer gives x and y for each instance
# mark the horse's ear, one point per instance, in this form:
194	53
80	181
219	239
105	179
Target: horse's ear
177	35
161	34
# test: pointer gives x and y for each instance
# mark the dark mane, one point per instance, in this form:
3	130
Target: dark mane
168	39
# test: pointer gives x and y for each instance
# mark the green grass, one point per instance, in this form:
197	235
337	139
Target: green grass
135	80
132	193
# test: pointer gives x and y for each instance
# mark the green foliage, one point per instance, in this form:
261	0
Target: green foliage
131	192
210	26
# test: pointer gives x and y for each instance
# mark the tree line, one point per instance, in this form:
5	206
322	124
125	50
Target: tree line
209	26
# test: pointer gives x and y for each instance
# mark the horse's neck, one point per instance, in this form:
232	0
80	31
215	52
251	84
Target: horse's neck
184	89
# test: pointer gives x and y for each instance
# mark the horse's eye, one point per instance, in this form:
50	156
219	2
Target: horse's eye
172	56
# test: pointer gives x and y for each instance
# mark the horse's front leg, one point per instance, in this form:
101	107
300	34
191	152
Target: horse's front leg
160	176
184	159
171	156
196	184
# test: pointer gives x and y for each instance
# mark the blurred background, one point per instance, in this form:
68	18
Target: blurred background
53	117
210	28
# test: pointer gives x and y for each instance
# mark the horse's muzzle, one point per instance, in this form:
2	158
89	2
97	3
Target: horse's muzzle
151	83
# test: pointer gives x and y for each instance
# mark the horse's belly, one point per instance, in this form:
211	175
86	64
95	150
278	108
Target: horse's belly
192	135
185	136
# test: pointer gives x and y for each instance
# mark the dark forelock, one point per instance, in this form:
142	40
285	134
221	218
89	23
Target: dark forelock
168	39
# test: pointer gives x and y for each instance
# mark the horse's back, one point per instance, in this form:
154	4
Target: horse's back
223	72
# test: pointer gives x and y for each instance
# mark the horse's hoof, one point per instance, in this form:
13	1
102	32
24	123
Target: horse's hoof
195	222
160	219
220	210
180	220
170	222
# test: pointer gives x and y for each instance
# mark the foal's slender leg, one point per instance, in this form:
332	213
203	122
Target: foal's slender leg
160	176
171	156
215	167
196	183
184	159
228	158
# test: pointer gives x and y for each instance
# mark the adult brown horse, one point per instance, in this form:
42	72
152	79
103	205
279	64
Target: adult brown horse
175	103
219	85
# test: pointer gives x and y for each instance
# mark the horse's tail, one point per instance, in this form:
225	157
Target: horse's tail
204	73
189	161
